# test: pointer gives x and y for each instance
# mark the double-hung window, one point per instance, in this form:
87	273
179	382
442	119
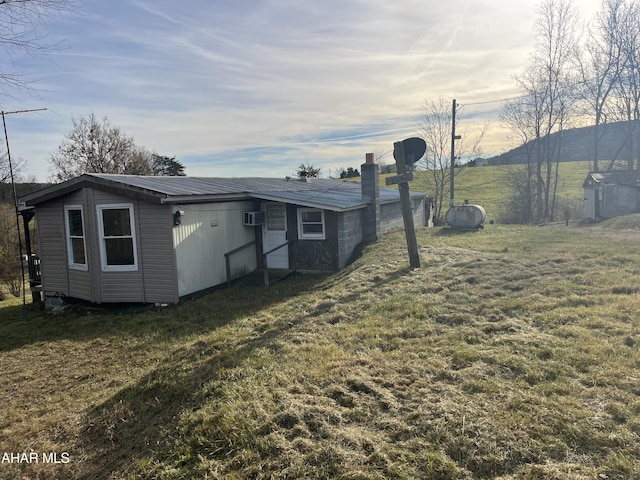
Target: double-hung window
311	224
117	238
74	226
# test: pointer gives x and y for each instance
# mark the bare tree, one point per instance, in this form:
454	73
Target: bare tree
435	128
98	147
602	65
626	94
21	31
10	272
522	118
546	104
17	165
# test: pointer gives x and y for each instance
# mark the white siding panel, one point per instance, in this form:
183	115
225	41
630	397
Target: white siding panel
206	233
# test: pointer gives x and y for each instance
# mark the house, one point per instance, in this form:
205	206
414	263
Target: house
119	238
611	194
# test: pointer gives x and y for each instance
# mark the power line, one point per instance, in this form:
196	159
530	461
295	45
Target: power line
486	102
520	97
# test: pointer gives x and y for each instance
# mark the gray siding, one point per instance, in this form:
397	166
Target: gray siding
155	280
157	259
619	200
391	215
115	286
52	249
80	281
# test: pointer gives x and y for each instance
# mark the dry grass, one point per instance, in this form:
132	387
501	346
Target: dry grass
513	353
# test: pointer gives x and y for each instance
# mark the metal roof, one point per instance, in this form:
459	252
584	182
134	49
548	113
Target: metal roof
181	186
617	177
317	192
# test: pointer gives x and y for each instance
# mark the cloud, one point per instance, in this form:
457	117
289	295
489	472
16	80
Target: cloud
276	80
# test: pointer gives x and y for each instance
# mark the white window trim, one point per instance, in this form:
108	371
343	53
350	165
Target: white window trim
67	234
311	236
103	252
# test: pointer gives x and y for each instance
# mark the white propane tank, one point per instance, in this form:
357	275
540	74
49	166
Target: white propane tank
466	216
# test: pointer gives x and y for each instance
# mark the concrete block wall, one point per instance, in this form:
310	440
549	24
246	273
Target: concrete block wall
350	234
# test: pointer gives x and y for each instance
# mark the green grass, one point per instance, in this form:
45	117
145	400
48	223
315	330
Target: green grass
486	186
513	353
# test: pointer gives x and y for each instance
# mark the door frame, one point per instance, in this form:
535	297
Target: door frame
272	238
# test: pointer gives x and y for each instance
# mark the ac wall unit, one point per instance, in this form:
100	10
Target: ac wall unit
252	218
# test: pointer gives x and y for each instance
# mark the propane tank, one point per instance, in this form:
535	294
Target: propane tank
466	216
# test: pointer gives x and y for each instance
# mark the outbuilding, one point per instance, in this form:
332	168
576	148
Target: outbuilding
611	194
118	238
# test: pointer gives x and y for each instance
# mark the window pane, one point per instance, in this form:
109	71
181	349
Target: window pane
116	222
77	246
275	217
314	216
119	251
313	228
75	223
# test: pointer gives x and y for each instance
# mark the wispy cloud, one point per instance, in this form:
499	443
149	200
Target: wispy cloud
270	84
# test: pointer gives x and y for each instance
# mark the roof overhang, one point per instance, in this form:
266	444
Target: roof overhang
310	203
70	186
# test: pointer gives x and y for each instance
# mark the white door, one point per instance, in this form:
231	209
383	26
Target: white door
274	234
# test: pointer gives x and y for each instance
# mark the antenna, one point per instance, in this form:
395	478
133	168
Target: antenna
13	185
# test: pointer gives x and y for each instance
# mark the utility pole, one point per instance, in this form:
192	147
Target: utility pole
454	137
15	194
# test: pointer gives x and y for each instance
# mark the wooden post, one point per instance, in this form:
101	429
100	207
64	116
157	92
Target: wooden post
405	204
265	271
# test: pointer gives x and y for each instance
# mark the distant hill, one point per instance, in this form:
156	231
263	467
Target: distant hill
6	190
577	145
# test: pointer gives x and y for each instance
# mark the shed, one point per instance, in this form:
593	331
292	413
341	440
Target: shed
611	194
119	238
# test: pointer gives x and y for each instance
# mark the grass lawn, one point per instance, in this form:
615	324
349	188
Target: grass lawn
513	353
488	186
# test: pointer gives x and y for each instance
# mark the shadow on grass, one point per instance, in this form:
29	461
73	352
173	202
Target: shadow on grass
141	423
26	325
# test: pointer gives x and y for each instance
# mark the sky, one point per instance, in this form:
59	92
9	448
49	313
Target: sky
255	88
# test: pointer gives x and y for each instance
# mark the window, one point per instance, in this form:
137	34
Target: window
74	225
311	224
117	238
276	217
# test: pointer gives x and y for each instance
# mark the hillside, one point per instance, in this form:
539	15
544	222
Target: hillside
489	186
577	144
512	353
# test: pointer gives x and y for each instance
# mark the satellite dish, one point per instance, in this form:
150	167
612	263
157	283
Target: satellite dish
414	149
